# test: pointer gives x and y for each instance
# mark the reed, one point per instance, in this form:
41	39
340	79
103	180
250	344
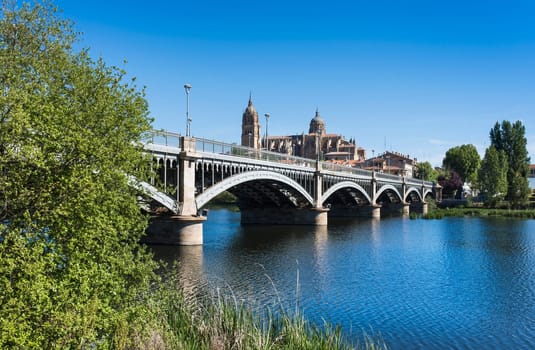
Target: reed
189	321
481	212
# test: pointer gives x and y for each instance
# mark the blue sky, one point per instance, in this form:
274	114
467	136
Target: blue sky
417	77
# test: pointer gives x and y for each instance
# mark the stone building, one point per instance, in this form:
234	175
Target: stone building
393	163
331	147
250	127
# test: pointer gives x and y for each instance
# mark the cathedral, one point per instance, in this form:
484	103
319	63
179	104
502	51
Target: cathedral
316	144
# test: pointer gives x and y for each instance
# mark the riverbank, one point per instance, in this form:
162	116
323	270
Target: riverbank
217	322
439	213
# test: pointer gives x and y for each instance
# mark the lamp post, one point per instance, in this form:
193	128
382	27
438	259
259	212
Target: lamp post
373	160
266	138
319	131
187	87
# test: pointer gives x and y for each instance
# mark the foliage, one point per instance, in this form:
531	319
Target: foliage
72	271
452	185
425	171
481	212
464	160
510	138
224	198
219	322
493	176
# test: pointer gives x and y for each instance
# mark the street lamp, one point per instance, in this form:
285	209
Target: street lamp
319	131
373	160
187	87
266	138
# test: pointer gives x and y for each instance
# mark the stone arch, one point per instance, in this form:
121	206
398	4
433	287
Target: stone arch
344	184
211	192
383	189
411	190
429	191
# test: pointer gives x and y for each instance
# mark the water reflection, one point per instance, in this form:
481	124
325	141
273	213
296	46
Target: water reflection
433	284
188	260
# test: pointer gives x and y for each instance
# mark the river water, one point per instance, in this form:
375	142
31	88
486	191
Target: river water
455	283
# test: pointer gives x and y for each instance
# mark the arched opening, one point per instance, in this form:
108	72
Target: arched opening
347	199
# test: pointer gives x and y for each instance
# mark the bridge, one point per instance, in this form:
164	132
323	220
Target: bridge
270	187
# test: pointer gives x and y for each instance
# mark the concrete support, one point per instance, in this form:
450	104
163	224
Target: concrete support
319	188
367	211
175	230
419	207
186	186
285	216
375	211
392	209
406	209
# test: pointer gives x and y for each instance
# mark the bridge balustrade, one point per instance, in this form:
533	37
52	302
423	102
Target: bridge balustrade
345	169
211	146
162	137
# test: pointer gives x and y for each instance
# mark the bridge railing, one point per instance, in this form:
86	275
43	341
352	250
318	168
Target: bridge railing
211	146
172	139
419	182
391	177
162	137
345	169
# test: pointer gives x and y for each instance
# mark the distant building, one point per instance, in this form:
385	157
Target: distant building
331	147
393	163
531	170
250	127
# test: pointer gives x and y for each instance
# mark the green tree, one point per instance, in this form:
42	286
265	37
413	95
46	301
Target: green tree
426	172
511	139
71	271
464	160
492	176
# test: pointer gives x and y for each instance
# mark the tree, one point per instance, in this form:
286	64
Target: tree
452	185
425	171
510	138
464	160
492	176
71	268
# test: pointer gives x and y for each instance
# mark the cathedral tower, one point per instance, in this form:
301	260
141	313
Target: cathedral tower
250	127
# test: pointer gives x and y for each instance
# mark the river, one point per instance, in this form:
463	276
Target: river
465	283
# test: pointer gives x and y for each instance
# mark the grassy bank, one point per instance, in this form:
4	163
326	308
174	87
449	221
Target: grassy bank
193	322
479	212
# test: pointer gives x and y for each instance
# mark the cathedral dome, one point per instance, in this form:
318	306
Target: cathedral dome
317	124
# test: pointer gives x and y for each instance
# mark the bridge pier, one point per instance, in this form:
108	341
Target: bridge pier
406	209
419	207
375	211
175	230
394	208
369	211
284	216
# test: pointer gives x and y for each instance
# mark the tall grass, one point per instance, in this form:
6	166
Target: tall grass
189	321
481	212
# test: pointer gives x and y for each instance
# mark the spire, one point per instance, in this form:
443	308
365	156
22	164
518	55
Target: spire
250	126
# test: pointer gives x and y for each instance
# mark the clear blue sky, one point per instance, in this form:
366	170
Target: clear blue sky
417	77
